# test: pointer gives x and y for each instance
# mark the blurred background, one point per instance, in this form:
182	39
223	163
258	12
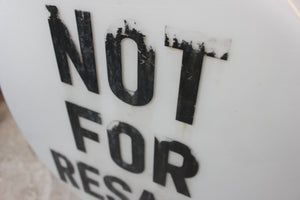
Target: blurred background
22	175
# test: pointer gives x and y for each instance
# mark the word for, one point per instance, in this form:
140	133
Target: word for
161	166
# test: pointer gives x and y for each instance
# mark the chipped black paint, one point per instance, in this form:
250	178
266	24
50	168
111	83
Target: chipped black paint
192	63
79	133
65	169
146	64
63	45
146	195
162	166
211	54
86	181
167	41
137	147
110	181
225	56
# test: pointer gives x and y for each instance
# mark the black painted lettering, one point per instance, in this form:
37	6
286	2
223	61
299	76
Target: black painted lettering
188	169
110	180
146	195
192	63
137	147
86	181
64	45
65	170
189	83
79	133
146	60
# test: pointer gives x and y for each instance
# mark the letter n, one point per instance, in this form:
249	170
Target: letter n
63	46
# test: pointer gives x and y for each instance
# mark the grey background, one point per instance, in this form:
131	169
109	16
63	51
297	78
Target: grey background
22	175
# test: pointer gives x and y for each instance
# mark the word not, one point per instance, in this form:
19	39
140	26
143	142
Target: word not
193	53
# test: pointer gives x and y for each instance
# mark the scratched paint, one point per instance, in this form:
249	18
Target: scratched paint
146	64
195	46
214	47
